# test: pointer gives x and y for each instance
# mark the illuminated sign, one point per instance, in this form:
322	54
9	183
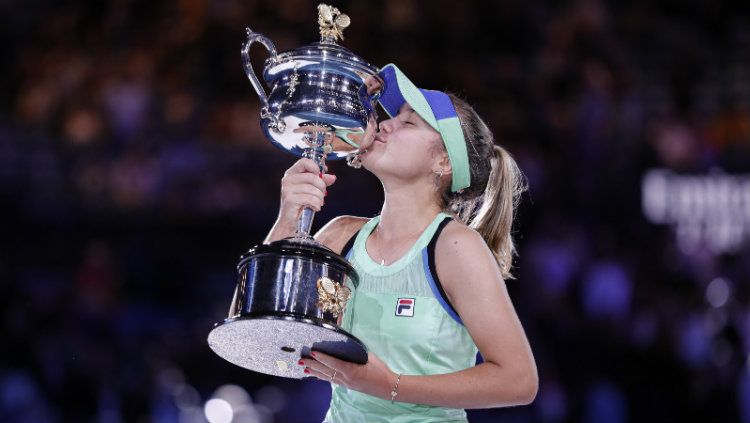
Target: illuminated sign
709	210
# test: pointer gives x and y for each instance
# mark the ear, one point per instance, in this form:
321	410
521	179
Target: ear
442	164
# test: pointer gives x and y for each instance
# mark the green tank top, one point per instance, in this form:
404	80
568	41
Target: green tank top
400	315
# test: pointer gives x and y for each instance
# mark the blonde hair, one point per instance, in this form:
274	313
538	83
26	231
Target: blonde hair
489	204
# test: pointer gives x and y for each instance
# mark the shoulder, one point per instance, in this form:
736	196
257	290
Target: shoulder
463	258
457	237
339	230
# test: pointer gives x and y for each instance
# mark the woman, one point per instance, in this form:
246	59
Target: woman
432	267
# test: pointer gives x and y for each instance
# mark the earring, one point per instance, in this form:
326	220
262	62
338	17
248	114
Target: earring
438	180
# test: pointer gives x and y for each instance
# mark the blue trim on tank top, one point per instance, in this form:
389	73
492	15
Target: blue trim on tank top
435	291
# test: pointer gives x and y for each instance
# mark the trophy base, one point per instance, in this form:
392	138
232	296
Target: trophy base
274	344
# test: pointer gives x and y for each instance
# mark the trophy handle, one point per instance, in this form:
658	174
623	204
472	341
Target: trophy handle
254	37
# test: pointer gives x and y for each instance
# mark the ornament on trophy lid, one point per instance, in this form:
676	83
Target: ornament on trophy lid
332	23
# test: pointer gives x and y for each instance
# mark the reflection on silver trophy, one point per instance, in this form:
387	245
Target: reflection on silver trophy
291	292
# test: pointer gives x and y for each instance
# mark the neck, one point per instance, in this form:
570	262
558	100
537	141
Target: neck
406	212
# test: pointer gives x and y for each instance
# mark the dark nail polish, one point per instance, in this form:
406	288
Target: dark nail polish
307	370
301	363
312	354
320	175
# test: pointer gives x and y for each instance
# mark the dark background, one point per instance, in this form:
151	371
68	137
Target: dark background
133	174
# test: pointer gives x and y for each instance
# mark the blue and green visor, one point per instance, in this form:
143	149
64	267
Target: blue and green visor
436	108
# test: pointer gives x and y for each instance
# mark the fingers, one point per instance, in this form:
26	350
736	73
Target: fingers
319	370
304	185
305	165
330	361
305	171
329	179
314	181
315	365
323	366
319	375
303	195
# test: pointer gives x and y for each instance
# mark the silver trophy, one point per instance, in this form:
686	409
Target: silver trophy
291	293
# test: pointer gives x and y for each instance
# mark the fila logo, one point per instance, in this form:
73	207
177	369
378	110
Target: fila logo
405	307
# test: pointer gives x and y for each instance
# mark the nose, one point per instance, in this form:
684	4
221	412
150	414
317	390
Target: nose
388	125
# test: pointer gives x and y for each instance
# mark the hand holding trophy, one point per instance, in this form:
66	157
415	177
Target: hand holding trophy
291	292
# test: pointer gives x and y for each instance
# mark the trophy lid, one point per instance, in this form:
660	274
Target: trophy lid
332	24
321	95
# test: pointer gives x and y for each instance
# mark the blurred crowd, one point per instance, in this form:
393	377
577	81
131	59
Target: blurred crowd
133	173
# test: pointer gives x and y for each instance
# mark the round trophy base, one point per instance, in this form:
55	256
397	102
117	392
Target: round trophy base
274	344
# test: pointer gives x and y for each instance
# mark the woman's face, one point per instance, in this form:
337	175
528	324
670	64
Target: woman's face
404	147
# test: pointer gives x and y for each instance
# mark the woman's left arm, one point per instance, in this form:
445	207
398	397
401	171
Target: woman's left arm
471	278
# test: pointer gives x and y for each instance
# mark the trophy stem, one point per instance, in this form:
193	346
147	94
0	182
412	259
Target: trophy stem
318	142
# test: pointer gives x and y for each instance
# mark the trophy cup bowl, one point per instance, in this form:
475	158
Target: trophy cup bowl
290	293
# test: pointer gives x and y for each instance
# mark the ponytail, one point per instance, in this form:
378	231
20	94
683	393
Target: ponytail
488	205
494	220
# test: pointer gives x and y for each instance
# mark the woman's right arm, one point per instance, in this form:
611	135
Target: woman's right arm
303	185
